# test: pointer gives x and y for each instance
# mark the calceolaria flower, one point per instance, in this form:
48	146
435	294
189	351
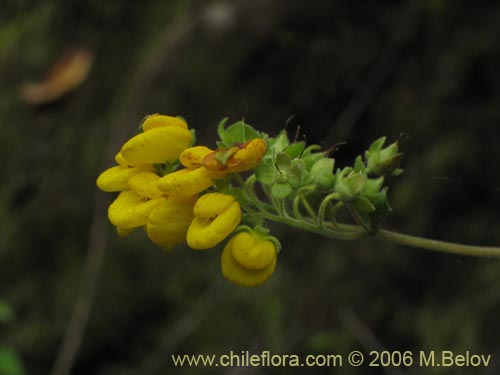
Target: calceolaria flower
179	192
216	215
249	259
168	223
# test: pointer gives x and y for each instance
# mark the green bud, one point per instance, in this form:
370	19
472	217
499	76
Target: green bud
322	170
349	184
382	161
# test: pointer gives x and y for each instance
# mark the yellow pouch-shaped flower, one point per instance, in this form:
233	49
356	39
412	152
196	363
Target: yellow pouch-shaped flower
157	121
192	157
145	184
239	158
169	221
116	178
247	260
120	160
158	145
216	215
186	182
130	210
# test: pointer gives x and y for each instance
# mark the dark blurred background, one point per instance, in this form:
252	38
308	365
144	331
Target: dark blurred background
425	71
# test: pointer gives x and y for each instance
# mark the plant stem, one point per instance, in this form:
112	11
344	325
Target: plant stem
435	245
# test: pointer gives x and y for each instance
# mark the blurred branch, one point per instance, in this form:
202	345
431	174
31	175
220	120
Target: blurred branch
364	335
185	326
378	74
126	106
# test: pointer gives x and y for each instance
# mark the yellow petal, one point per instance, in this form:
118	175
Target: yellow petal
241	157
192	157
157	145
248	157
251	252
185	182
212	204
240	275
169	221
120	160
130	210
123	232
145	184
116	178
215	223
157	120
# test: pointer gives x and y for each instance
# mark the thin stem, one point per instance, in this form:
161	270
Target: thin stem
308	208
310	226
296	208
322	208
435	245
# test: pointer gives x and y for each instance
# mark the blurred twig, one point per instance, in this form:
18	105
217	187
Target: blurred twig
365	336
378	73
126	106
158	359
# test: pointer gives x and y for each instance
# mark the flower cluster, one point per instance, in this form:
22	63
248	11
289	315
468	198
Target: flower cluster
166	185
185	193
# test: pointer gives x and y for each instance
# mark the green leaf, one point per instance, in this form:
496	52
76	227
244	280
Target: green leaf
10	363
265	173
281	191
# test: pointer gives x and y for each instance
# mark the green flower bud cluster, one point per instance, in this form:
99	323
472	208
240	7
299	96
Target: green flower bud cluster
290	168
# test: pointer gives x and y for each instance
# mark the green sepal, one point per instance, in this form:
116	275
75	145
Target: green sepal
295	173
322	171
265	173
283	161
239	132
359	165
363	204
295	149
280	142
382	210
281	191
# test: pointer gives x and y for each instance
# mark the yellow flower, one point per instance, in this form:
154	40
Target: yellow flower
145	184
192	157
130	210
156	145
248	260
116	178
216	215
168	223
240	158
187	182
157	121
